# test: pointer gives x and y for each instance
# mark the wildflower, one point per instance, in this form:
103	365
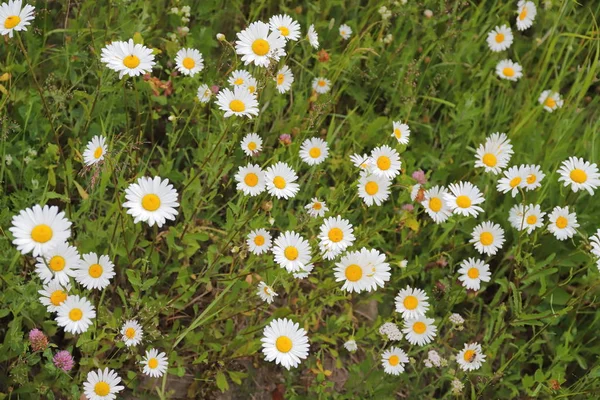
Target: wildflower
527	218
75	314
266	292
535	175
280	181
284	79
550	100
434	204
456	319
487	238
8	159
580	174
457	386
351	346
507	69
286	26
151	200
54	294
257	46
128	58
316	208
386	162
58	263
513	180
291	251
38	340
391	330
411	303
419	176
403	264
250	180
312	36
401	132
13	18
38	229
220	37
285	343
239	102
500	38
393	361
321	85
471	357
94	272
304	271
463	199
132	333
527	13
345	31
189	61
155	363
314	151
259	241
363	270
336	234
251	144
63	360
285	139
494	154
419	331
595	242
204	93
562	224
373	189
428	14
102	385
473	272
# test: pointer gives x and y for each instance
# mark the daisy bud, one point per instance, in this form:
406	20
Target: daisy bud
220	37
428	13
267	206
38	340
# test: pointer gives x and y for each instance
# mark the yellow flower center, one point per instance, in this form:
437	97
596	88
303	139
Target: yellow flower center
260	47
435	204
317	206
280	79
12	21
410	302
98	153
514	182
259	240
371	188
508	71
486	238
41	233
397	133
131	61
57	263
394	360
238	81
499	37
489	159
578	175
335	235
251	179
315	152
473	273
291	253
531	179
562	222
237	106
419	327
251	89
252	146
468	356
550	102
284	31
102	388
343	33
95	270
532	219
75	314
353	272
152	363
189	63
283	344
523	13
384	163
279	182
150	202
463	201
130	333
322	83
57	297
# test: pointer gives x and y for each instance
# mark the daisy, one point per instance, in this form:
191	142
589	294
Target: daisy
102	385
419	331
507	69
252	85
514	179
463	199
494	154
473	272
38	229
285	26
412	303
95	150
13	18
580	174
189	61
204	93
304	272
417	192
58	263
312	36
314	151
345	31
266	292
336	234
351	346
470	357
284	79
330	253
364	162
250	180
291	251
151	200
393	361
239	102
500	38
595	243
316	208
239	78
527	12
75	314
251	144
386	162
155	364
534	177
487	238
259	241
321	85
95	272
550	100
285	342
363	270
128	58
562	224
54	294
256	45
132	333
401	132
373	189
280	180
435	206
528	217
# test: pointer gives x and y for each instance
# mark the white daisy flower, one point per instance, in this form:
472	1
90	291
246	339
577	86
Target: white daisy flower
330	253
128	58
513	180
435	206
280	180
550	100
252	85
507	69
562	224
412	303
312	36
266	292
473	272
401	132
155	363
595	243
13	18
75	314
364	162
500	38
534	177
95	150
204	93
95	272
239	78
259	241
494	154
304	272
580	174
419	331
321	85
363	270
386	162
291	251
527	218
351	346
314	151
285	343
345	31
189	61
102	385
285	26
284	79
58	263
151	200
373	189
250	180
463	199
54	294
132	333
239	102
256	45
336	234
415	190
316	208
251	144
527	13
487	238
38	230
470	357
394	360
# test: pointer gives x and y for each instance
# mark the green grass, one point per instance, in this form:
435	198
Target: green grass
192	284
